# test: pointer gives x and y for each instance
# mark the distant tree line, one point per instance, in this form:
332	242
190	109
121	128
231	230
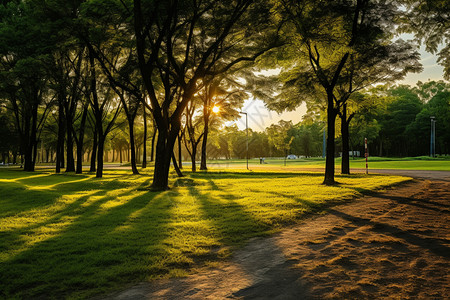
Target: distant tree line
395	120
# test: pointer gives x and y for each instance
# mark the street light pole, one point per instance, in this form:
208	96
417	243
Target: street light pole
246	128
433	137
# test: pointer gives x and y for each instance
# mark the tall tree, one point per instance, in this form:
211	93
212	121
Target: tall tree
214	30
105	112
24	46
279	136
329	41
380	61
227	96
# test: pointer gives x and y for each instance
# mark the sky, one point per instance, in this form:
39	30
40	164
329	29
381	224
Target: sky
259	117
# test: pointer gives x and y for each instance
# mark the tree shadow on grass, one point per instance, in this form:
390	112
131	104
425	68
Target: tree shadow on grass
233	223
101	247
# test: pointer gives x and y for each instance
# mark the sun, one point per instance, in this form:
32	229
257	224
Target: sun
216	109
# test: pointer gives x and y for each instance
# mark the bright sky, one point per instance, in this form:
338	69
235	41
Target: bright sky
260	117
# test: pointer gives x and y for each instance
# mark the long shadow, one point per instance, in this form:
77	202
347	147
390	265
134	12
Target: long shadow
12	239
99	248
16	198
233	223
415	202
310	205
433	245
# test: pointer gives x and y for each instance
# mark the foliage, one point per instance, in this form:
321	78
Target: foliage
428	20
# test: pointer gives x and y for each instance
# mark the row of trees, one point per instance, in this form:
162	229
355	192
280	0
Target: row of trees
91	65
394	119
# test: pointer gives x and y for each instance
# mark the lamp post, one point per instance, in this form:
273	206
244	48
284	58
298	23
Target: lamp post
433	137
246	128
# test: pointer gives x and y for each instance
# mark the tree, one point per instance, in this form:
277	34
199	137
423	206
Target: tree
428	20
338	48
214	30
228	96
307	138
279	136
399	114
436	98
105	113
377	62
24	46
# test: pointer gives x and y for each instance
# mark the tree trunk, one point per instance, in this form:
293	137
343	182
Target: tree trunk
94	151
345	162
152	152
132	145
31	152
80	141
100	150
175	165
204	144
194	154
164	149
70	166
329	162
144	152
60	140
180	156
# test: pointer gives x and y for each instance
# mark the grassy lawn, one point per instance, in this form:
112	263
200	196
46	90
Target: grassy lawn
75	236
406	163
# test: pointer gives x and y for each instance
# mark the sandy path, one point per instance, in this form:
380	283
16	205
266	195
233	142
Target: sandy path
392	244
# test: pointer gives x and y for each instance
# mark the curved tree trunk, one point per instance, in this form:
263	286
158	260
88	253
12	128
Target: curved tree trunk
175	165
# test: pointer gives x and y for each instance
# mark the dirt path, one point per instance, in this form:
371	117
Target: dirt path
393	244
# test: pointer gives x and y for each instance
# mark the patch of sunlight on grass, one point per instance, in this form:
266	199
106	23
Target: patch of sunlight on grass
98	235
53	186
17	178
119	197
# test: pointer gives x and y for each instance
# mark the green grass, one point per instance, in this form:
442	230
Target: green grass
75	236
405	163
